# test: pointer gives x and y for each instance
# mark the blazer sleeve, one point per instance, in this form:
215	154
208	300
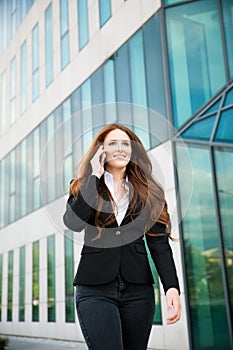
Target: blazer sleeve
79	210
162	256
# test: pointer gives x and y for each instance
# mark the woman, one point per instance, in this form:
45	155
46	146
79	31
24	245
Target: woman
116	200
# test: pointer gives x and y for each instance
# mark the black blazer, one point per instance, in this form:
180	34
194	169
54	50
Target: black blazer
120	248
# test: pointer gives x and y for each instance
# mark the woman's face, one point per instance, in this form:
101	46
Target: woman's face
117	146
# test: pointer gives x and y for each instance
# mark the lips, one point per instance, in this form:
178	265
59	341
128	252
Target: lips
119	156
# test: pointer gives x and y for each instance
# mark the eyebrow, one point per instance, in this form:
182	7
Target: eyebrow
118	140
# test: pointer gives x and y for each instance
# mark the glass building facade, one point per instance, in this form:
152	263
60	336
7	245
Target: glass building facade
179	63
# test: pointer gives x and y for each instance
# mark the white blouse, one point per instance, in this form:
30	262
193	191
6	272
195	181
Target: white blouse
120	206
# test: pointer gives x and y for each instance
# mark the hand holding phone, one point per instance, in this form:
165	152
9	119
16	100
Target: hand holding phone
97	162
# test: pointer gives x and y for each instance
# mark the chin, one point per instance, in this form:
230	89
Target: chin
117	163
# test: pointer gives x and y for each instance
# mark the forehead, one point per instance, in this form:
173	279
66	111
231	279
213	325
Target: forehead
116	134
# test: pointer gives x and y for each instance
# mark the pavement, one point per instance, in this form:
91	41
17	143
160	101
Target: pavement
25	343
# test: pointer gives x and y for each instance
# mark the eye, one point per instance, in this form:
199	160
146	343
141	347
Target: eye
126	144
112	143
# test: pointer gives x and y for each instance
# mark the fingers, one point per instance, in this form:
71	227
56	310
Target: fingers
173	306
97	162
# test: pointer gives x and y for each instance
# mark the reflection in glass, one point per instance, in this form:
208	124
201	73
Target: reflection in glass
225	127
201	130
51	279
104	11
224	171
36	169
109	91
86	116
196	60
83	34
64	33
12	187
158	314
21	283
24	175
2	192
69	273
229	98
227	6
23	74
3	103
138	87
10	286
13	91
202	256
49	44
35	62
35	282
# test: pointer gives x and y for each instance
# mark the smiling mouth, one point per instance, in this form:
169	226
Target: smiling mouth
119	156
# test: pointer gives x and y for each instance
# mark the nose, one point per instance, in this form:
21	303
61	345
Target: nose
119	146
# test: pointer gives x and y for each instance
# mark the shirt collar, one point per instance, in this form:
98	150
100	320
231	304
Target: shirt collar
108	179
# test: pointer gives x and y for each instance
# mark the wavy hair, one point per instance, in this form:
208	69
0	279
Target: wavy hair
145	190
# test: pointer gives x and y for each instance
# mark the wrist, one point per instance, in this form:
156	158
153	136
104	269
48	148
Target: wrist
172	290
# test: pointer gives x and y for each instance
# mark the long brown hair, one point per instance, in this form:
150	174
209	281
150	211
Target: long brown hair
146	190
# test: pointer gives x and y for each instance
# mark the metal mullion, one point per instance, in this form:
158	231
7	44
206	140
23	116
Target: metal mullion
217	118
221	248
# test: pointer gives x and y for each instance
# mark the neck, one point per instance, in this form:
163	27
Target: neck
118	174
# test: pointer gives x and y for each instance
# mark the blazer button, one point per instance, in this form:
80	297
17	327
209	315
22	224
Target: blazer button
118	233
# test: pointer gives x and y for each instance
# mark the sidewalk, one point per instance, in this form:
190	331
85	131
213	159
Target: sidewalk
25	343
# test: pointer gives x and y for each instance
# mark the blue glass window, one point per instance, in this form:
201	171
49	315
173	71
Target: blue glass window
86	98
109	91
3	103
12	187
49	45
83	33
229	98
36	169
202	252
200	130
35	62
4	11
10	286
170	2
154	66
227	6
51	279
24	175
23	8
214	107
138	87
51	155
225	127
67	143
13	17
69	273
97	99
196	61
23	85
13	91
64	30
3	211
224	170
35	281
21	284
104	11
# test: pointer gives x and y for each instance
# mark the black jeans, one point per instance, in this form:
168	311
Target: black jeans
116	316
